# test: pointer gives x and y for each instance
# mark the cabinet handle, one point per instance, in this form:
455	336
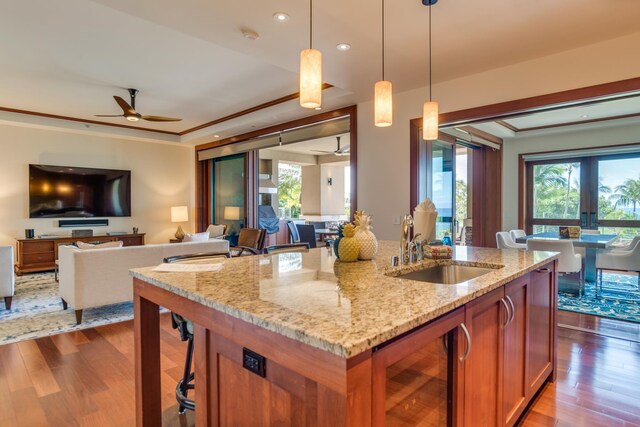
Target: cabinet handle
506	307
468	338
513	310
543	270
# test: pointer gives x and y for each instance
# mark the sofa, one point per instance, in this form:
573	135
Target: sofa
96	277
6	275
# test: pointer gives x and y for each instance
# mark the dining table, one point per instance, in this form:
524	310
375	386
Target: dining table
323	233
590	242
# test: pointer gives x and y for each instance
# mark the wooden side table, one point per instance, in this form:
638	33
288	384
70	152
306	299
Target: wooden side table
175	240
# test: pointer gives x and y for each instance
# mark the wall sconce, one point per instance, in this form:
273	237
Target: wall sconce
330	181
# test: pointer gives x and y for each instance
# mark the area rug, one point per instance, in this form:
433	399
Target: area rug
37	311
620	298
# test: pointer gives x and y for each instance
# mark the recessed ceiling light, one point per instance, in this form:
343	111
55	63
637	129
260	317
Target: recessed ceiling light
318	108
280	17
584	116
343	46
216	136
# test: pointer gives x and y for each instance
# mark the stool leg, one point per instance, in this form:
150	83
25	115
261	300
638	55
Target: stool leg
187	372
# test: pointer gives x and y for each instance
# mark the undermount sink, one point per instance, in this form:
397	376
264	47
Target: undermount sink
446	274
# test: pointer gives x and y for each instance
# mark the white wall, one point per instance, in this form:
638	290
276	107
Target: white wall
578	139
383	153
162	176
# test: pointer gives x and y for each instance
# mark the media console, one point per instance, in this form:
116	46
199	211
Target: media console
41	254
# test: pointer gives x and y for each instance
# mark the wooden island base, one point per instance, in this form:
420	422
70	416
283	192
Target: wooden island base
500	348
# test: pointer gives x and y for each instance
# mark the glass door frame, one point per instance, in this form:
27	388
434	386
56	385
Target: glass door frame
203	169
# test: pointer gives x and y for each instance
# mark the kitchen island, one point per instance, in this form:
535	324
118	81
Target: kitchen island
302	339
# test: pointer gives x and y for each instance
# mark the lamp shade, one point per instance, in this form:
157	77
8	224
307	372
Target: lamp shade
383	103
231	213
310	78
430	121
179	214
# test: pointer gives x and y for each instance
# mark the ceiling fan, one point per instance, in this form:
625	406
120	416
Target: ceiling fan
340	151
130	113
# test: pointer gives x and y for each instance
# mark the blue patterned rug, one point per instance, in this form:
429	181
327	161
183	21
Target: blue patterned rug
620	298
37	311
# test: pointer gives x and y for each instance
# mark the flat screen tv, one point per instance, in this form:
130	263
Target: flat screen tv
75	192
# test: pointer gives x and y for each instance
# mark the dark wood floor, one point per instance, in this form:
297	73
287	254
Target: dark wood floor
86	378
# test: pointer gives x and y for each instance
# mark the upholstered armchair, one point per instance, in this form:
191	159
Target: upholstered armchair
6	275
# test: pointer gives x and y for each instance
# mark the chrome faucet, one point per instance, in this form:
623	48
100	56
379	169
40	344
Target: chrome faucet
405	232
416	251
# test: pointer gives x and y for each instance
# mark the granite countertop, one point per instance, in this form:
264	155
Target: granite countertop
342	308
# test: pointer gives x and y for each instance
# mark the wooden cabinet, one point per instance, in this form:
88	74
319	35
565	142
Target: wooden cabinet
41	254
515	390
541	339
485	317
512	350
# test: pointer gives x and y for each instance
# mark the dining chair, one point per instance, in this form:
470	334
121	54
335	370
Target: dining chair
294	237
515	234
291	247
504	241
250	242
617	260
185	328
626	247
587	231
569	262
307	233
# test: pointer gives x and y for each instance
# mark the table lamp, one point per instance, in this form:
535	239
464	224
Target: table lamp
179	214
231	213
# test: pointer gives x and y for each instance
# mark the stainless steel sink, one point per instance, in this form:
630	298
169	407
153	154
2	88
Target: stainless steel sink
446	274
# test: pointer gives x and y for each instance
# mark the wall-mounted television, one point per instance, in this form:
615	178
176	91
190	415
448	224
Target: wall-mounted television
77	192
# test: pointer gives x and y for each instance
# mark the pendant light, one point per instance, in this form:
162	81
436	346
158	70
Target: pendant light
311	71
383	93
430	108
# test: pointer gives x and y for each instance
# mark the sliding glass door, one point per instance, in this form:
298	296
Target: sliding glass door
437	182
228	193
593	192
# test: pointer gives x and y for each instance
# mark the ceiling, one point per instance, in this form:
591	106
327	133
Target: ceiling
189	59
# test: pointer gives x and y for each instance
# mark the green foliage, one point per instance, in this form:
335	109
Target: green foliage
461	200
290	188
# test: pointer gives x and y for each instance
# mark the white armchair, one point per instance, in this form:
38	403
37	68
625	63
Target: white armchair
517	233
7	280
569	262
504	241
627	247
618	260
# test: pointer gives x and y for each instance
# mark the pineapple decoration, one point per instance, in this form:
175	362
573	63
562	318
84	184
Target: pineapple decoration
365	237
348	249
336	243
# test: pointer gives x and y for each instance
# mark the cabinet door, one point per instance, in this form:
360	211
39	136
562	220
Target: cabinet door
542	308
485	318
416	378
515	351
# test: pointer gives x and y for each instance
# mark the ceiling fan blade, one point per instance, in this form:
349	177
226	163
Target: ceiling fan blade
108	115
125	106
160	119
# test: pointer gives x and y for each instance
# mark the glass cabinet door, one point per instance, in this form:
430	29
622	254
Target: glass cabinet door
415	378
228	193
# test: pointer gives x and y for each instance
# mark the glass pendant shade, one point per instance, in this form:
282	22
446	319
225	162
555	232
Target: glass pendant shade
310	78
430	121
383	103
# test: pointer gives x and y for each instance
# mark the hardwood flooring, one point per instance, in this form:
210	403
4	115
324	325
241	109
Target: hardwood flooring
86	378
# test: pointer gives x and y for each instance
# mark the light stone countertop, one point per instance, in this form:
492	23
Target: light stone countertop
342	308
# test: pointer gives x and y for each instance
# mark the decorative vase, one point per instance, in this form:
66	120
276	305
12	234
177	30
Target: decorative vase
336	243
365	237
348	249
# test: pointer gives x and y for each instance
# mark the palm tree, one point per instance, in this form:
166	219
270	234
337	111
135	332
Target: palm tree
628	194
569	170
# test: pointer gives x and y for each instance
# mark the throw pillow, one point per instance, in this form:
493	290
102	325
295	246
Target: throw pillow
83	245
196	237
216	230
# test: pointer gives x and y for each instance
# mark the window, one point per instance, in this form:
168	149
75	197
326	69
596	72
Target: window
596	192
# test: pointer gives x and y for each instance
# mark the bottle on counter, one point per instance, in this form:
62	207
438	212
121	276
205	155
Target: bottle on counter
447	239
